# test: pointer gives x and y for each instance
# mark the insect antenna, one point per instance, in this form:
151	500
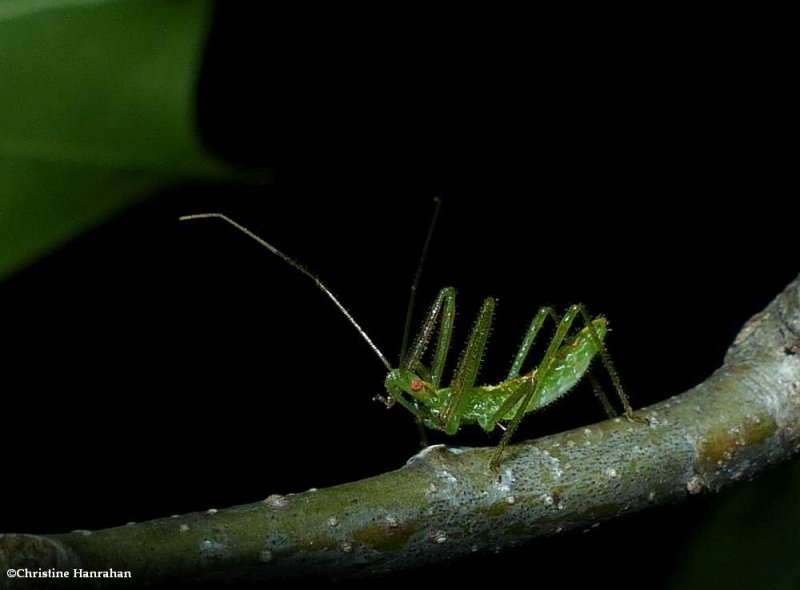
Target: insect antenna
413	296
298	266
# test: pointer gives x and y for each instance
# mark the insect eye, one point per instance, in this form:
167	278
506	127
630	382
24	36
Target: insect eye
417	385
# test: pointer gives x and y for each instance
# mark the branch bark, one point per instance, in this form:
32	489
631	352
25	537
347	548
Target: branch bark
445	503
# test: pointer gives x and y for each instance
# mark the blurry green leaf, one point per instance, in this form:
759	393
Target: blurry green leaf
749	539
96	111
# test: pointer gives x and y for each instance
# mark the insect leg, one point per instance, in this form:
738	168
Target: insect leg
524	392
444	306
513	399
532	386
530	336
601	395
606	359
467	371
398	396
423	435
445	300
443	342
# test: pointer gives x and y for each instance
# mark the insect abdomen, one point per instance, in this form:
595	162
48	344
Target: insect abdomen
569	366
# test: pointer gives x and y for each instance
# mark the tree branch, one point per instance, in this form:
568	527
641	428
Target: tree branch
445	502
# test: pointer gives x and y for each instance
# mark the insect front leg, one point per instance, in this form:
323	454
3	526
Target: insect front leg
418	416
443	306
397	395
443	310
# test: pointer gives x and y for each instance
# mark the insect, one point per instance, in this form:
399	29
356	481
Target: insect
418	386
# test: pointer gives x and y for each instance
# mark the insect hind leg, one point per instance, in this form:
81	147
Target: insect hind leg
532	385
530	337
602	352
601	395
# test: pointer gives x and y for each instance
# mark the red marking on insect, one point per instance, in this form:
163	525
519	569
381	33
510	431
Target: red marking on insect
417	385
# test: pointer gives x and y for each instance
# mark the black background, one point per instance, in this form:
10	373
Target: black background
161	368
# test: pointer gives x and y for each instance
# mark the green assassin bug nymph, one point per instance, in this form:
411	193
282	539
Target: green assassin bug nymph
418	387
